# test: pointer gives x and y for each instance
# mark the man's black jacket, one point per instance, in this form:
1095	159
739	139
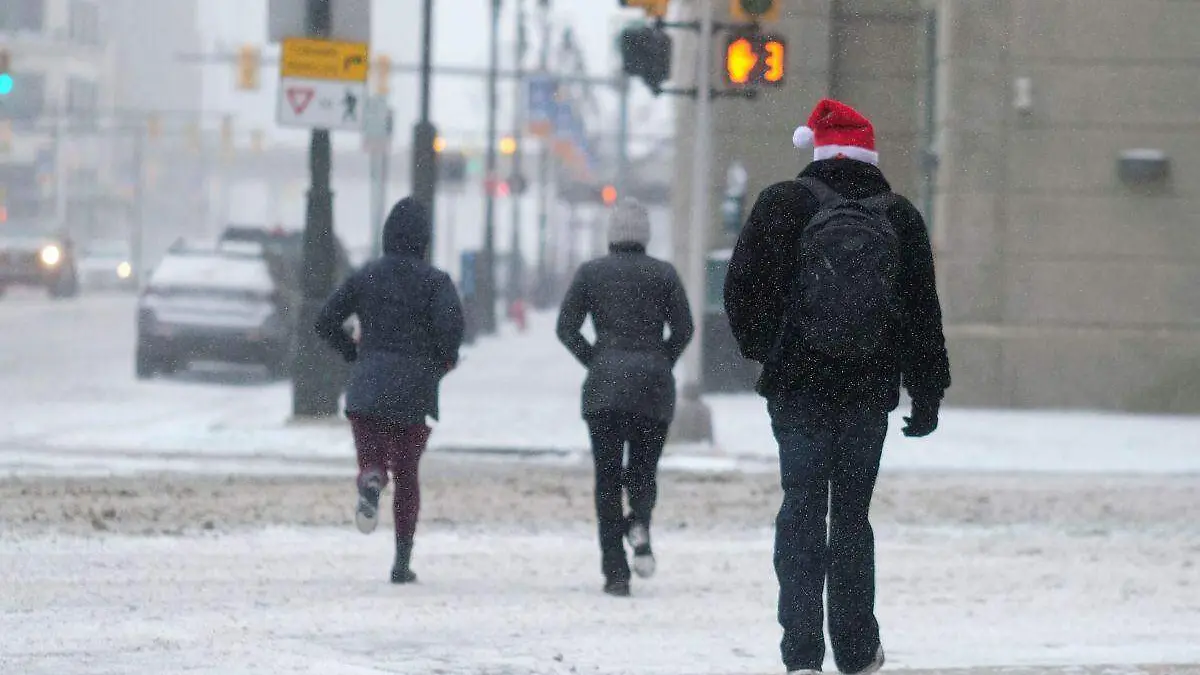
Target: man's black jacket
760	276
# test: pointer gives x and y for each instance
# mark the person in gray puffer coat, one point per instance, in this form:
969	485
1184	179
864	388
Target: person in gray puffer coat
629	393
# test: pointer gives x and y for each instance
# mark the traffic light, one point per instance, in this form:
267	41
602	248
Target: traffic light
508	145
646	53
382	70
248	57
608	194
755	59
6	78
656	8
754	10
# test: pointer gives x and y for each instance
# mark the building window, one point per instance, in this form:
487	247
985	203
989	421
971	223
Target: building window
85	22
27	99
22	15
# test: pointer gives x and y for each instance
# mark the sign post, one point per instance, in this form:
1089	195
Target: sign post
322	87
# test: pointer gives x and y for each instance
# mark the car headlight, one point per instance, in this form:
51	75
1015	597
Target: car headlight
51	255
124	270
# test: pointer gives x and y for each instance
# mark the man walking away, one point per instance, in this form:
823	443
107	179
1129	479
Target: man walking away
831	288
412	328
629	393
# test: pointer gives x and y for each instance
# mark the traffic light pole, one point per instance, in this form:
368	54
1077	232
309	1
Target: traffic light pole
315	384
694	417
424	157
486	302
516	279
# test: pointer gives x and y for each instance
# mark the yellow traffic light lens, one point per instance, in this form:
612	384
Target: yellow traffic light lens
124	270
439	144
740	61
508	145
50	255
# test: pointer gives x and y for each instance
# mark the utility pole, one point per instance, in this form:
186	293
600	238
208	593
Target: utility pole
424	171
487	284
622	178
315	382
543	273
137	235
516	262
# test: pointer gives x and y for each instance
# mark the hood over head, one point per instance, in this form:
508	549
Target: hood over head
407	228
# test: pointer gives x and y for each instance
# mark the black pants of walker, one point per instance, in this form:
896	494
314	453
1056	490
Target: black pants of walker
828	460
637	479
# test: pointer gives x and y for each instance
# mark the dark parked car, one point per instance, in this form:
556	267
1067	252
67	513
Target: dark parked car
224	303
32	256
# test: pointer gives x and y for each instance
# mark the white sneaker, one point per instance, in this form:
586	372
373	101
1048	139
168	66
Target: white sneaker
804	672
643	557
366	514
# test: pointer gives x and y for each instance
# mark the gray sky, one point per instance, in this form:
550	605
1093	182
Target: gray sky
461	38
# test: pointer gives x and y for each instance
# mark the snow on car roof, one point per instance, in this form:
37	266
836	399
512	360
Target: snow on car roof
216	270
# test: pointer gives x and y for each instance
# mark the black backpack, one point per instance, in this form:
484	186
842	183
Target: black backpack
845	303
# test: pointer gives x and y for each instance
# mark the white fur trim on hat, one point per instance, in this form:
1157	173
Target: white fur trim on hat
803	137
847	151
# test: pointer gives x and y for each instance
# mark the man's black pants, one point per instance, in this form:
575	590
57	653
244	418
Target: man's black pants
829	459
610	433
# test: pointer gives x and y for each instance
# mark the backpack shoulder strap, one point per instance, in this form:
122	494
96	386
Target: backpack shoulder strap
882	201
826	196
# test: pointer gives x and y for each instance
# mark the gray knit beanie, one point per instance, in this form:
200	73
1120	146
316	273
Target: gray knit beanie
629	223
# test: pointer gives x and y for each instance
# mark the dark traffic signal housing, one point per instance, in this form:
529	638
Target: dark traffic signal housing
646	54
754	10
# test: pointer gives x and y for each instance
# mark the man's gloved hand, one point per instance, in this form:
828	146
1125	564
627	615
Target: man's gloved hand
923	419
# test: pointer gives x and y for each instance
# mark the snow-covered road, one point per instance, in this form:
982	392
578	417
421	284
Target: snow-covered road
70	399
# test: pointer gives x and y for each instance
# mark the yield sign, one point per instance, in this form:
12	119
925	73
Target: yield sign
299	98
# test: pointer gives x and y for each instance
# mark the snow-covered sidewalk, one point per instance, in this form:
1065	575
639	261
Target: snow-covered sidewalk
315	601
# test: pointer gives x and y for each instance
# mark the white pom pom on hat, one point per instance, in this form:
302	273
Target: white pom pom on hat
803	137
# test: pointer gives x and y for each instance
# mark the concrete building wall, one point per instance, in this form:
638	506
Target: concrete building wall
1062	285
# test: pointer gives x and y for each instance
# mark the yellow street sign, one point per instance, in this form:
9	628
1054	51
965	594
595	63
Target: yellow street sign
324	60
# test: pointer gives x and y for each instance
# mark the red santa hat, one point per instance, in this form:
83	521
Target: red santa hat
836	130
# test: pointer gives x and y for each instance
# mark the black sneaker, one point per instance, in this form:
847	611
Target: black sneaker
643	557
366	515
619	589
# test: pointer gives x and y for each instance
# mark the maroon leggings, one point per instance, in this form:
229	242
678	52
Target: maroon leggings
386	446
